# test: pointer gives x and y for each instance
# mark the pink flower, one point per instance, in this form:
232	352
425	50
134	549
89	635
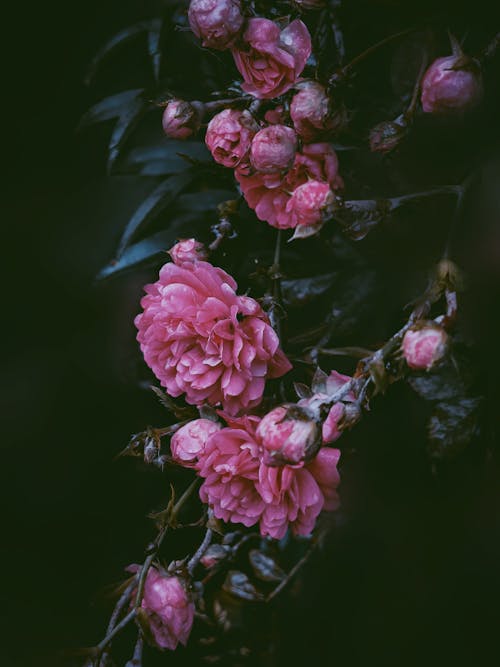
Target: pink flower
288	434
310	111
424	346
229	135
169	612
188	442
331	426
273	149
188	250
203	340
270	61
268	194
216	22
309	203
240	488
182	119
446	90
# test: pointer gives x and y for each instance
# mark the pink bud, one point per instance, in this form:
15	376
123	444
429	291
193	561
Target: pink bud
216	22
424	346
451	84
188	443
273	149
182	119
311	111
167	608
229	135
187	250
215	554
310	202
288	434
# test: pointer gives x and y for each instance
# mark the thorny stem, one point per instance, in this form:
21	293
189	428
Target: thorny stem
298	565
136	660
193	562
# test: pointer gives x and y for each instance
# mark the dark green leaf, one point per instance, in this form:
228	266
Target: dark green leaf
110	107
239	585
207	200
163	159
265	568
126	123
443	383
157	201
452	426
300	291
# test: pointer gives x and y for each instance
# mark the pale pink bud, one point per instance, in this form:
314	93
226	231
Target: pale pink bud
229	136
182	119
311	111
187	250
310	202
273	149
288	434
166	607
188	443
216	22
450	85
215	554
424	346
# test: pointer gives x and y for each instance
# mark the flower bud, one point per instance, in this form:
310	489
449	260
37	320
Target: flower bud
311	112
423	346
188	250
229	136
215	554
166	608
310	202
451	84
188	443
387	136
182	119
288	434
216	22
273	149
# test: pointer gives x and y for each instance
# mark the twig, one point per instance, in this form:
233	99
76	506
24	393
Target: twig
193	562
136	660
291	574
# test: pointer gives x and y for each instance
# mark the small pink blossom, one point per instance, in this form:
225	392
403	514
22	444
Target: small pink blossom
216	22
288	434
269	60
182	119
229	136
203	340
447	90
310	110
331	430
310	202
268	194
241	488
169	611
187	250
424	346
273	149
188	443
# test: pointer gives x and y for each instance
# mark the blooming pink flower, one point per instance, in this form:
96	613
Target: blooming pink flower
216	22
273	149
310	110
288	434
309	202
270	61
188	442
241	488
188	250
182	119
203	340
446	90
229	135
168	609
424	346
268	194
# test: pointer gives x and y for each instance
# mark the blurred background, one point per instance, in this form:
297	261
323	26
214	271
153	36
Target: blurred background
410	574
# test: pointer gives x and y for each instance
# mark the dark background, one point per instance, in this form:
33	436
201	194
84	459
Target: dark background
411	576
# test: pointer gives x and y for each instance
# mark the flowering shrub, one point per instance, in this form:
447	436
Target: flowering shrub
253	415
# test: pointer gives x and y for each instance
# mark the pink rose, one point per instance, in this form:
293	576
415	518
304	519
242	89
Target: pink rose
288	434
269	60
310	111
229	135
241	488
182	119
309	203
203	340
189	250
216	22
169	612
268	194
273	149
446	90
424	346
188	442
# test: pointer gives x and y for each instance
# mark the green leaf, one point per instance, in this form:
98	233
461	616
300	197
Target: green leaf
302	290
163	159
158	200
127	121
108	108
